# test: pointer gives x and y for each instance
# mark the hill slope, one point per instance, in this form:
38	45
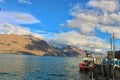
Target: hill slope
19	44
70	51
24	44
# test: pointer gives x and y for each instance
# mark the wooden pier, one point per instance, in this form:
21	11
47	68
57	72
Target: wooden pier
110	69
105	72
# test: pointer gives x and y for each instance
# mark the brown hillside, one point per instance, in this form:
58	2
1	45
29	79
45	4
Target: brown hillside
24	45
70	51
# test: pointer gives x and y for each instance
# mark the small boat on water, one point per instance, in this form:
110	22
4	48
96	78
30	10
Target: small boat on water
87	63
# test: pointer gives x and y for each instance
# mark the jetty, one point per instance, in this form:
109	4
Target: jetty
105	71
107	68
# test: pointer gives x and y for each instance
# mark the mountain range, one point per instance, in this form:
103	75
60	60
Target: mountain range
27	44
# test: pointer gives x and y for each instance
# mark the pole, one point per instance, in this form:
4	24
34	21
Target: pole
113	56
114	44
111	43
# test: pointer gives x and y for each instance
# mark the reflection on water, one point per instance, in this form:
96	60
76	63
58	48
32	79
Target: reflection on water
27	67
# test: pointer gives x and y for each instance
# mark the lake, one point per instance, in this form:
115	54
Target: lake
29	67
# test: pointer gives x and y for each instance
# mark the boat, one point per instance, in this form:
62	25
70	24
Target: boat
87	63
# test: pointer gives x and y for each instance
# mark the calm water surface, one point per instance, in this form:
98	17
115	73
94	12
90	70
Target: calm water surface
27	67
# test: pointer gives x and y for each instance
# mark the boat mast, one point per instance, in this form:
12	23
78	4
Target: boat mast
113	46
111	42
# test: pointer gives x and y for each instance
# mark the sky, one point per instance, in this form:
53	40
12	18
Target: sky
85	24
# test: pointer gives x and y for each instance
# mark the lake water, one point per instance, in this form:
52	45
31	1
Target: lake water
29	67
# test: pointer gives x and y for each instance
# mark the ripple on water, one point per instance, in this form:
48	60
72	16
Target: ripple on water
39	68
57	75
4	73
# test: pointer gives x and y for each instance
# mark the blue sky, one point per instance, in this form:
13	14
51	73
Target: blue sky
51	14
85	24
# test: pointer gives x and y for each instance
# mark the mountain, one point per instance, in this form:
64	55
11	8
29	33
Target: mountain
70	51
94	53
19	44
24	44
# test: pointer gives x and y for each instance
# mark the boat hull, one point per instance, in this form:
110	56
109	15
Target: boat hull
83	67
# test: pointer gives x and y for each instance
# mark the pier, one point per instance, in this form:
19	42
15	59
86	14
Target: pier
105	72
107	68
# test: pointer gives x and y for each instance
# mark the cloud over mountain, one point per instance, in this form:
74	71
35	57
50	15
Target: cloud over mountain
102	16
12	29
10	23
8	28
78	40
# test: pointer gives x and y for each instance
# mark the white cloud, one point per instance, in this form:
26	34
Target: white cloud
8	28
1	1
110	19
62	25
115	17
78	40
12	29
17	18
83	19
105	5
87	20
111	30
97	14
24	2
